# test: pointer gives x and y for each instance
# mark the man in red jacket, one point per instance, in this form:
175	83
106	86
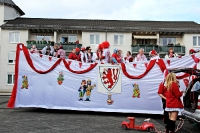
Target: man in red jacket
73	55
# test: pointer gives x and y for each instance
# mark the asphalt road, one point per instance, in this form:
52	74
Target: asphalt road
58	121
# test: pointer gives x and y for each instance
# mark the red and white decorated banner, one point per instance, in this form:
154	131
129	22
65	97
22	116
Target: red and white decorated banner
44	82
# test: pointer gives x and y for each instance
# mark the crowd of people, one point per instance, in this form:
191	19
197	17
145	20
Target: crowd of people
55	51
102	54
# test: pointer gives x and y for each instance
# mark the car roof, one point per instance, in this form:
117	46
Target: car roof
191	71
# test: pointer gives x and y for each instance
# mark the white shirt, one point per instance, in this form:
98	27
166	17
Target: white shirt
175	56
45	48
93	58
106	53
127	59
82	57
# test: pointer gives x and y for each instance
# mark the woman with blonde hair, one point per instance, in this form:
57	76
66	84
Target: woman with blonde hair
173	101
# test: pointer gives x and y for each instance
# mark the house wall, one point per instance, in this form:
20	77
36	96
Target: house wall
5	48
1	14
10	13
110	38
187	41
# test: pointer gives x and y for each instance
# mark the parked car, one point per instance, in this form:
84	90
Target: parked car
191	97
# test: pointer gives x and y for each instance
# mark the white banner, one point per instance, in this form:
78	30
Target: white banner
103	88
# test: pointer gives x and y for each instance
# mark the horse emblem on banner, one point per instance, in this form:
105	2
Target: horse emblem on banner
109	77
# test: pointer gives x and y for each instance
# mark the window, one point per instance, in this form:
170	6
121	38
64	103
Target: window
94	38
166	41
11	57
72	38
14	37
196	41
68	38
10	78
118	39
43	38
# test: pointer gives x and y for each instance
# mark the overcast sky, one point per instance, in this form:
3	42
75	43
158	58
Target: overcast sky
164	10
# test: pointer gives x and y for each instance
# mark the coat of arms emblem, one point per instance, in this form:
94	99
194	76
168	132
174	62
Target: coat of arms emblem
109	76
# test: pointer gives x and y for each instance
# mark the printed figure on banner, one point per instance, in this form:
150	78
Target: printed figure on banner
24	82
109	100
60	78
82	90
136	91
89	89
109	79
86	89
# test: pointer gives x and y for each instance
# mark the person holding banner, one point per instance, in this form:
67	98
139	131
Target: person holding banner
99	53
141	56
82	55
128	57
116	57
153	55
90	55
73	55
171	54
174	104
106	52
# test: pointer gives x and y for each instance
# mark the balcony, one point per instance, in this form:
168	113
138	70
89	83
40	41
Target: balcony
160	49
68	47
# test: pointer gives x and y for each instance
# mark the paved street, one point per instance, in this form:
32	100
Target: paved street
55	121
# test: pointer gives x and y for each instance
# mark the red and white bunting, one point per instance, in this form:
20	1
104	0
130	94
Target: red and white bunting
50	58
168	62
80	64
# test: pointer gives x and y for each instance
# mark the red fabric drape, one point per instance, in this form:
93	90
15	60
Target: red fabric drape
11	102
149	67
28	59
161	65
67	65
196	60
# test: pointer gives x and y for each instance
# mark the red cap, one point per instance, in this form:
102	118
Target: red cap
192	51
77	49
83	49
153	52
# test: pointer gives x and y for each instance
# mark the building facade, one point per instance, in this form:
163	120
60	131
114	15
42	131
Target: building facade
124	35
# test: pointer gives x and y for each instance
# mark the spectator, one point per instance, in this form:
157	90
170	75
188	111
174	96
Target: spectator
116	57
89	55
82	55
171	54
128	57
141	56
173	101
61	53
99	53
106	52
56	48
48	51
153	55
73	55
45	49
34	49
